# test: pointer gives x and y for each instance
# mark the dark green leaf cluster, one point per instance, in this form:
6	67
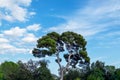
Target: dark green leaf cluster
74	39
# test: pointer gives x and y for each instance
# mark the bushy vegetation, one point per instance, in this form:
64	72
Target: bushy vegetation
37	70
32	70
96	71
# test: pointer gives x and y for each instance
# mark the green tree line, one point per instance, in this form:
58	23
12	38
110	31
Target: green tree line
96	71
32	70
38	70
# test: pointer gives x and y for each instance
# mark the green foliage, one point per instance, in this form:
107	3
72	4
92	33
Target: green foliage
117	74
110	72
1	76
93	77
44	73
48	43
8	70
55	36
54	43
73	74
77	79
31	70
70	37
98	65
96	74
24	72
97	71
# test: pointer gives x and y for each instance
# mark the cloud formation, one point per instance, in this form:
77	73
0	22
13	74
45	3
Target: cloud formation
12	10
18	40
93	18
34	27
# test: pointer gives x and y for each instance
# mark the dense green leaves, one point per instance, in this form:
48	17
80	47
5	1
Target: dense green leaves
8	70
73	74
97	71
96	74
48	43
70	37
31	70
55	36
44	74
117	74
110	72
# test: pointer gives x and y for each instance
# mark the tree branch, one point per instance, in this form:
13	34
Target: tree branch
68	63
57	55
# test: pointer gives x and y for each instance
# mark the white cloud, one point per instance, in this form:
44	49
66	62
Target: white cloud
24	2
34	27
12	50
0	23
18	40
3	40
29	38
32	13
12	10
15	32
6	46
19	13
8	18
85	29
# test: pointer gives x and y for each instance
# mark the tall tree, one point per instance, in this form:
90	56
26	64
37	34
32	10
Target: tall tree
70	42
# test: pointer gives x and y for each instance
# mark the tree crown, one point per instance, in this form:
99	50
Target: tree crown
54	43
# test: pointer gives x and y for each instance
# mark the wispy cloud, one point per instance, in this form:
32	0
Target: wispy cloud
34	27
92	19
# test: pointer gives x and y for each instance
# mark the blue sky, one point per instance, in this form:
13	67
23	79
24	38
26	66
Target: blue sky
22	22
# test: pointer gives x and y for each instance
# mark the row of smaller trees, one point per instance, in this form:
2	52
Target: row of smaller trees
37	70
32	70
96	71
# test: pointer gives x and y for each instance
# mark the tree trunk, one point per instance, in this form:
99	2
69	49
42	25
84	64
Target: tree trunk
63	70
61	76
